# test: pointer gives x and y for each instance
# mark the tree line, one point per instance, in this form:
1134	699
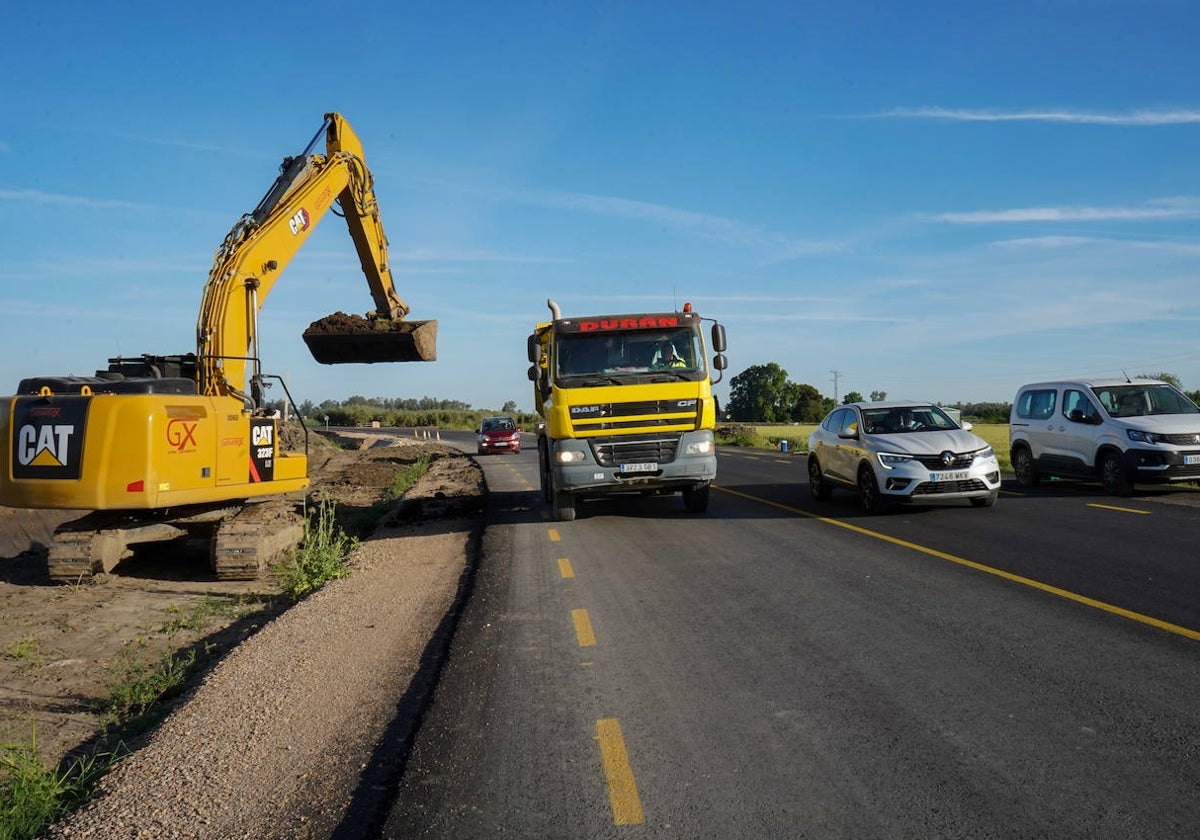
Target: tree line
764	394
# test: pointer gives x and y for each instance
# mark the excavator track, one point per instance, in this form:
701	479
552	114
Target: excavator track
250	542
98	541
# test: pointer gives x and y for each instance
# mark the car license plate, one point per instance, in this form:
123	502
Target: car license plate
956	475
639	468
1191	459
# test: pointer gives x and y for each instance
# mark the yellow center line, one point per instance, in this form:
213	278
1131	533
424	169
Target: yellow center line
1178	630
1119	509
622	789
564	568
553	532
583	628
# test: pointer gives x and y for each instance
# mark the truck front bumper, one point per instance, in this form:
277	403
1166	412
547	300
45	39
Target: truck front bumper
694	465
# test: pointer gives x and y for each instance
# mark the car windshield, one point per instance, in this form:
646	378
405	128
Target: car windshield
498	425
903	419
1140	399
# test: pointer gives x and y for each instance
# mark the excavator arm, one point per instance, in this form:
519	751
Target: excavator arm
262	243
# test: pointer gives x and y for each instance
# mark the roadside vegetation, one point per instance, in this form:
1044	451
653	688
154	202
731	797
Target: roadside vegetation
33	795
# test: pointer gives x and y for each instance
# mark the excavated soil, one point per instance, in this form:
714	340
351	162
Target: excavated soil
68	651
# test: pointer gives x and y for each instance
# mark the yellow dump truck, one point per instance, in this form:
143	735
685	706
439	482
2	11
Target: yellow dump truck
627	405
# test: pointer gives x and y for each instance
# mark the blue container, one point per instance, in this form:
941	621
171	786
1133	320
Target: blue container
783	446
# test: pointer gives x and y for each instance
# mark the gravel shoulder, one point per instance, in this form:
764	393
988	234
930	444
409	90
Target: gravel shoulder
297	726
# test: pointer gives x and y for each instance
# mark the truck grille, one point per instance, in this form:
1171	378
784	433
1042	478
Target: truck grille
670	415
635	449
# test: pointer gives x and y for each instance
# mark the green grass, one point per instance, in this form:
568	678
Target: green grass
33	796
321	556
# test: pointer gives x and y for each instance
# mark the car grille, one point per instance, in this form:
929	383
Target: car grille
934	462
1189	439
635	449
934	488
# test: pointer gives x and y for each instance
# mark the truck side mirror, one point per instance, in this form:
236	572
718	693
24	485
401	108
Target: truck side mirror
533	349
718	339
719	363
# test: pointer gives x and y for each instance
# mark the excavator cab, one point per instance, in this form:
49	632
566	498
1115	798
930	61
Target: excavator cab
340	339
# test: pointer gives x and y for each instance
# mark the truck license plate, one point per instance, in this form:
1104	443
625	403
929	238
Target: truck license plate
639	468
957	475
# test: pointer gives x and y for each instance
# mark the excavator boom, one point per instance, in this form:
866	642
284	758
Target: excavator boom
260	245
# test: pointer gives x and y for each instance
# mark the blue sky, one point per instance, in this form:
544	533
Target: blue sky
936	200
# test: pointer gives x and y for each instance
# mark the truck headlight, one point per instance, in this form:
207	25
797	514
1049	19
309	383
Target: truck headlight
568	456
699	447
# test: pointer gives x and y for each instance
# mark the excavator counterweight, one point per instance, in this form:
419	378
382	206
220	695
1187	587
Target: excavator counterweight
345	339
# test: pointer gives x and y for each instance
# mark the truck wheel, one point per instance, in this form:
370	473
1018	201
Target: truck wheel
544	474
695	499
564	506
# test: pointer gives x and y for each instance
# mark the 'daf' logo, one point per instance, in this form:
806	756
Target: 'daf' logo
48	437
300	221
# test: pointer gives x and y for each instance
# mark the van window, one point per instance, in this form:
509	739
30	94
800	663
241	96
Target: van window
1138	399
1077	407
1036	404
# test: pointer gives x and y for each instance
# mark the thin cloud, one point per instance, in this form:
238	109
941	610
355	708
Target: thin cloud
1167	210
1184	116
704	225
59	200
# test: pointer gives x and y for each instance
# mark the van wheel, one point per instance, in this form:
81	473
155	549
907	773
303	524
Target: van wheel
1114	476
1022	462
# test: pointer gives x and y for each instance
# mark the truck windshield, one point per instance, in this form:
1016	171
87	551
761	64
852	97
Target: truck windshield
615	354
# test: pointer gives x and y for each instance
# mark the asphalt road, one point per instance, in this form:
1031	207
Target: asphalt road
785	668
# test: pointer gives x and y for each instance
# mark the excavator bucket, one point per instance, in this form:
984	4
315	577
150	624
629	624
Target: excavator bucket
340	339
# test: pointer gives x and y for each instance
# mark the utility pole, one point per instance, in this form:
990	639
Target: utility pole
836	374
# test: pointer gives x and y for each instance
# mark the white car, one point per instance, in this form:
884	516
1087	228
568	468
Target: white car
900	452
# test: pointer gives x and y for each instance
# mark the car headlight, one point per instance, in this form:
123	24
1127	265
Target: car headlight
1139	436
891	460
986	452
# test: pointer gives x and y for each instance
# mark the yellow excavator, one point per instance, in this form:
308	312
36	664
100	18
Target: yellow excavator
184	447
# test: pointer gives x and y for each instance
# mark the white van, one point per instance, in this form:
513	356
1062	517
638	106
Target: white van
1120	432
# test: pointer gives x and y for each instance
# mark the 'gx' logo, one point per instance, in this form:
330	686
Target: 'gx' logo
181	434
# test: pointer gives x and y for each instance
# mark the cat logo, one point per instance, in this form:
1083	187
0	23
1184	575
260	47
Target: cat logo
299	222
47	440
44	446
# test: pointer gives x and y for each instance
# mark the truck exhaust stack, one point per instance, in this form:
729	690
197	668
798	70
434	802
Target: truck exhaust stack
340	339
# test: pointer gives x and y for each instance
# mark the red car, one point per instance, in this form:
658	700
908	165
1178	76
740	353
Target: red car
499	434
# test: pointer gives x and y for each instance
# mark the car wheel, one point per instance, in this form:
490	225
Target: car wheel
821	491
1022	461
1113	474
695	499
985	501
869	497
